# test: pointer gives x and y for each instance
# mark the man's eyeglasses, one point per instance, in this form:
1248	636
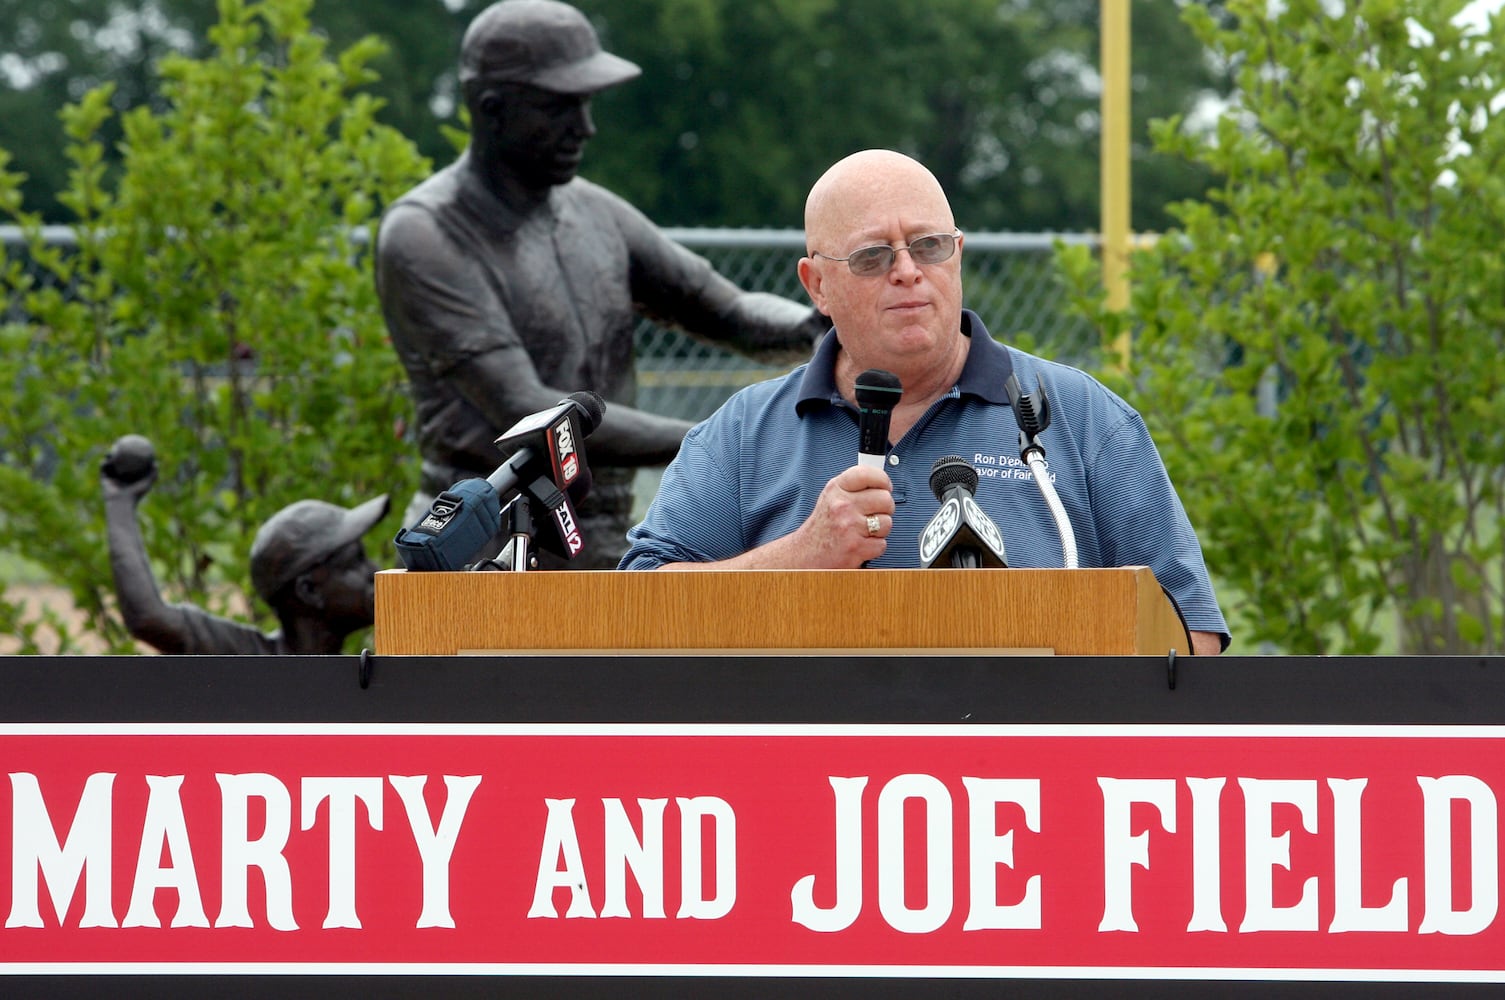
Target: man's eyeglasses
869	261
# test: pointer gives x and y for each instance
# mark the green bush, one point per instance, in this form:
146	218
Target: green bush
219	301
1318	345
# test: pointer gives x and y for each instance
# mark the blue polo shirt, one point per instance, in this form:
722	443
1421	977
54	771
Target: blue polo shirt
752	471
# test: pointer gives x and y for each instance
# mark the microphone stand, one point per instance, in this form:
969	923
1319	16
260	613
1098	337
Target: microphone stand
519	524
516	555
1032	423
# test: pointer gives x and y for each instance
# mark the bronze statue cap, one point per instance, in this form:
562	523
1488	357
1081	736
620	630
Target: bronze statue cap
301	535
543	43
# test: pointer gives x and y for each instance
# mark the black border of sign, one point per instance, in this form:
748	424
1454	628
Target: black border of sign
872	688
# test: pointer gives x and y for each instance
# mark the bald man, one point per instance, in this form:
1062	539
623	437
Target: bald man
769	480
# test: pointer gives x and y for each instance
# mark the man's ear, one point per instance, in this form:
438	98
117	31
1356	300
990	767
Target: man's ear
810	278
308	592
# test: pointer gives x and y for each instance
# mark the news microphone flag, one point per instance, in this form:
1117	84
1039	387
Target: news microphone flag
960	535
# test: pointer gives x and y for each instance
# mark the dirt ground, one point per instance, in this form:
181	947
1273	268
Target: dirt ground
35	599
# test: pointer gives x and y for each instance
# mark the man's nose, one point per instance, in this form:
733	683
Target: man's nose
904	268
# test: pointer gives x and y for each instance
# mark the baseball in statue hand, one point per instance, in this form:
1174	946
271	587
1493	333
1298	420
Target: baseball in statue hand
132	457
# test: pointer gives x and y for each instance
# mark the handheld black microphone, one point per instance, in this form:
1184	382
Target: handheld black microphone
878	392
960	534
547	463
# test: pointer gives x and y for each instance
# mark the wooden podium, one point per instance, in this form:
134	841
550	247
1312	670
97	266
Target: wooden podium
1073	612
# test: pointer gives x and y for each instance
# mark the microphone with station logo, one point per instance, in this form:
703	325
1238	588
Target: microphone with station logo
960	535
878	392
547	466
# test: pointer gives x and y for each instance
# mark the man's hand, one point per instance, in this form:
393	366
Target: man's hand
848	527
836	534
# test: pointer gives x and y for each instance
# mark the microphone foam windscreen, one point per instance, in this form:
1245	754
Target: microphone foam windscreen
878	389
949	471
594	407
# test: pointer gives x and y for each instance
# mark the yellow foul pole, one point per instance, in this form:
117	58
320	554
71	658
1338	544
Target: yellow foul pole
1114	168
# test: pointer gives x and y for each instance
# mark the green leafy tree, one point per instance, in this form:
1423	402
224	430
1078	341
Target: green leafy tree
55	52
740	105
1317	344
217	300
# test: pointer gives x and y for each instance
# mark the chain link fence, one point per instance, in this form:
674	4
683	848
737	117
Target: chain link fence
1010	280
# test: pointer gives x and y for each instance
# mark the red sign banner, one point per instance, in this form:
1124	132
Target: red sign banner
1125	851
